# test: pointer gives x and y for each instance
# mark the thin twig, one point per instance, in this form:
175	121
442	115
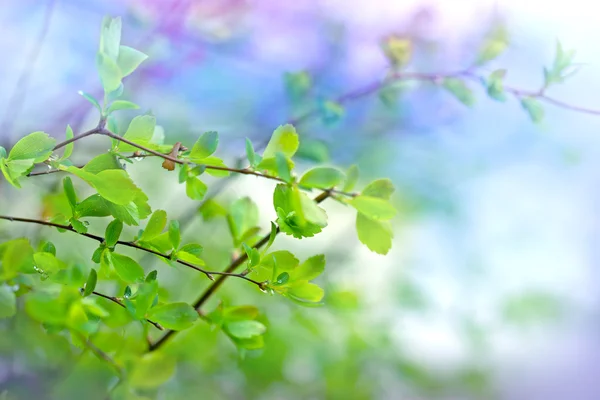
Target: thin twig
221	279
117	301
134	245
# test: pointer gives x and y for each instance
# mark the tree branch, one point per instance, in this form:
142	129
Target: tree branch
100	239
221	279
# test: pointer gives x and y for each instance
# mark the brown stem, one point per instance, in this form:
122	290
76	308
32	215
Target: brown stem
221	279
117	301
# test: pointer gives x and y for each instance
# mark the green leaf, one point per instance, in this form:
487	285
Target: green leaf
70	192
297	214
253	158
152	275
35	147
272	236
240	313
205	146
8	302
102	162
494	85
297	84
174	316
373	207
313	150
174	234
90	284
47	247
144	297
562	61
398	50
129	59
46	307
322	177
243	216
286	261
91	99
152	370
140	131
113	232
93	206
351	178
122	105
211	209
114	185
127	268
16	256
110	36
282	279
534	109
47	263
79	226
376	235
285	140
110	74
460	90
195	189
495	44
309	269
306	292
68	148
245	329
283	167
155	225
381	188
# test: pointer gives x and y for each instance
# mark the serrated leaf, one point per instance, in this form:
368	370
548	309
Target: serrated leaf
460	90
381	188
129	59
376	235
113	232
155	226
309	269
205	146
122	105
90	284
373	207
174	316
140	131
534	108
322	177
127	268
245	329
285	140
35	147
93	206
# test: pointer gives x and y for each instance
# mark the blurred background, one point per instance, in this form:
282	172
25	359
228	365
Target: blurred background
491	289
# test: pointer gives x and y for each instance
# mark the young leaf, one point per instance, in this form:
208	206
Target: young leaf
534	108
460	90
240	313
102	162
113	232
110	74
47	247
351	178
373	207
495	87
253	158
205	146
382	188
110	36
495	43
70	192
245	329
129	59
285	140
313	150
140	131
243	216
127	268
91	99
8	301
68	148
174	316
90	284
195	188
155	225
79	226
376	235
122	105
151	276
305	292
144	297
309	269
174	234
398	50
322	177
282	166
